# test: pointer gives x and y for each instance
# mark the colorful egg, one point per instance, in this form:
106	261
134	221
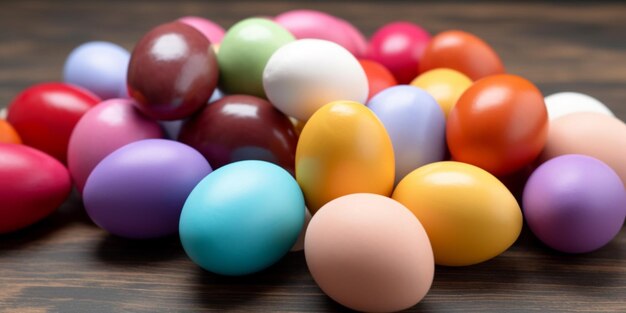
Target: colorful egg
575	203
44	115
242	218
445	85
378	77
306	74
597	135
469	215
8	134
399	46
102	130
369	253
99	67
212	31
172	72
499	124
139	190
244	52
563	103
311	24
415	124
463	52
343	149
241	127
33	185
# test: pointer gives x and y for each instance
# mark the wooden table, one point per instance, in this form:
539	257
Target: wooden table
66	264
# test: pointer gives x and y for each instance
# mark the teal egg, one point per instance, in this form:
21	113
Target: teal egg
244	51
242	218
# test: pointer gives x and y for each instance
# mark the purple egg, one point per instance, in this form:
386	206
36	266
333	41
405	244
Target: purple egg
415	123
574	203
139	190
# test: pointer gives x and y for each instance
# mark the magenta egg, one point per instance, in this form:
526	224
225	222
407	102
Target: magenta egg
172	71
102	130
32	186
399	46
209	29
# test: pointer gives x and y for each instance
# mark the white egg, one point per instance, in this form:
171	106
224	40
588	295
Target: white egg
563	103
306	74
3	113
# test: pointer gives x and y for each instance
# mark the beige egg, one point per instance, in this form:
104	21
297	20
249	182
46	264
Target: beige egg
593	134
369	253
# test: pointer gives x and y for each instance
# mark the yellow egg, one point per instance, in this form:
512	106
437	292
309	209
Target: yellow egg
343	149
468	214
445	85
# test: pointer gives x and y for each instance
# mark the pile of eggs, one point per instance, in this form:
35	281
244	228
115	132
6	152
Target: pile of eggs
399	152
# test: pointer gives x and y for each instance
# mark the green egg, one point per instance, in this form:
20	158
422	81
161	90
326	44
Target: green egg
244	51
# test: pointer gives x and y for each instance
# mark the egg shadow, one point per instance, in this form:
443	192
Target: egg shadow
118	251
71	212
286	285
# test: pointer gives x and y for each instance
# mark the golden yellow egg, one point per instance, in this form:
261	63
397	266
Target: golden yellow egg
343	149
468	214
445	85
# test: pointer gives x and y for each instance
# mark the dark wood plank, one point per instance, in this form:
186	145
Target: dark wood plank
66	264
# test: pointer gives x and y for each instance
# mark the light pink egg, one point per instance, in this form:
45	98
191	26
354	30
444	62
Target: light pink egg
319	25
369	253
102	130
210	29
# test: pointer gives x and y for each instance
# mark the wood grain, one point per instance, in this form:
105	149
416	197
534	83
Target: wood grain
66	264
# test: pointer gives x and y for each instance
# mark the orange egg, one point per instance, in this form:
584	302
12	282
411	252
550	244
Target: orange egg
378	77
8	133
499	124
463	52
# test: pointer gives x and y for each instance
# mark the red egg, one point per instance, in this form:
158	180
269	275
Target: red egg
32	185
241	127
463	52
378	77
500	124
44	115
399	47
172	71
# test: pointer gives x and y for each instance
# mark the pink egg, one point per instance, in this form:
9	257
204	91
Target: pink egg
359	41
399	46
210	29
102	130
319	25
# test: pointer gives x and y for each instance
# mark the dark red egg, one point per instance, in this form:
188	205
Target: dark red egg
241	127
172	71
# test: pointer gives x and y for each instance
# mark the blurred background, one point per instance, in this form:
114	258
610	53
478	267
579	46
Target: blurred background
560	46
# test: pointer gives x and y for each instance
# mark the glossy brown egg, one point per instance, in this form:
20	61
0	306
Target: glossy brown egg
241	127
172	71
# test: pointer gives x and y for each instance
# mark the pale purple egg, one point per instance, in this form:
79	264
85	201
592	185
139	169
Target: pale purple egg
574	203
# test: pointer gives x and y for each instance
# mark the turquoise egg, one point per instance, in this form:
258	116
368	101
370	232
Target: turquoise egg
242	218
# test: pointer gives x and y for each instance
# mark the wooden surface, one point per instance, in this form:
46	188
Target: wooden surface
66	264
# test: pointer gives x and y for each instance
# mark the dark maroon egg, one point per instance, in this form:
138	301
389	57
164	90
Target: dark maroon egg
172	72
241	127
